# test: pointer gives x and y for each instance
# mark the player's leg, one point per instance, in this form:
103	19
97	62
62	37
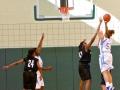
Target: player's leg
107	79
87	77
106	65
42	84
109	72
88	83
110	78
33	77
38	83
105	75
24	89
82	82
103	86
81	73
111	82
25	80
42	88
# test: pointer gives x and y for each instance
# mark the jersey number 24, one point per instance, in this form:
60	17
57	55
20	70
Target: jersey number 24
31	63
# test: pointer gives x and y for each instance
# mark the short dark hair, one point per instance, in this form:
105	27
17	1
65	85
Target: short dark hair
31	51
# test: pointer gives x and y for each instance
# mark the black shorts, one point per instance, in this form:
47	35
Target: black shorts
84	71
29	80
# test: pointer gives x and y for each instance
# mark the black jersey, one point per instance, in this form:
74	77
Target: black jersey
85	57
30	64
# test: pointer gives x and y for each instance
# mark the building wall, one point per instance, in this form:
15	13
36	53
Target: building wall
19	29
64	62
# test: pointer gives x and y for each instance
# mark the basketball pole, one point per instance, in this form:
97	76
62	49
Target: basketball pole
37	8
73	4
91	4
56	7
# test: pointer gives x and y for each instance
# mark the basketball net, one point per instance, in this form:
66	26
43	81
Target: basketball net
64	13
65	17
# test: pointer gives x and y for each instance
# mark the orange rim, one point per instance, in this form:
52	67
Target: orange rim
64	10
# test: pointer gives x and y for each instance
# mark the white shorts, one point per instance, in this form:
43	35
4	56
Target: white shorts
105	61
39	82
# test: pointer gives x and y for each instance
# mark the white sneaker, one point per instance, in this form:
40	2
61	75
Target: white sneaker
109	88
113	88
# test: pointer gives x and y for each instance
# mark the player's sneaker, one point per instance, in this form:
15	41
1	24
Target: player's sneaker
113	88
109	88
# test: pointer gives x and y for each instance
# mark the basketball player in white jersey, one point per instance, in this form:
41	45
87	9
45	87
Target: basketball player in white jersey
40	83
105	57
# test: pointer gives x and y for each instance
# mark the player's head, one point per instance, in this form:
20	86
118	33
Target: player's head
31	53
82	44
37	51
109	33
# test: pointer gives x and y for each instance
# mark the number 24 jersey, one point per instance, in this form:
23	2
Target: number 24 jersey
30	64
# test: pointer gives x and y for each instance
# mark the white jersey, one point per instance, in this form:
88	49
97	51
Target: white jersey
105	46
105	57
40	62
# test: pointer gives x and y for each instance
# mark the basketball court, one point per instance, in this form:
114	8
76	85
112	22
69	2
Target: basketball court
64	10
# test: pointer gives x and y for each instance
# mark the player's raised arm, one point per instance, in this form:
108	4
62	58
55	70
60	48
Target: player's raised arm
106	19
13	64
98	44
40	43
101	35
106	27
93	38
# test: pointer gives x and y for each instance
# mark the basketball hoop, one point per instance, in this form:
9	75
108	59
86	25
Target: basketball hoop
64	12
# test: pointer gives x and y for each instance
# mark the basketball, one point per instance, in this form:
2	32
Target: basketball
107	17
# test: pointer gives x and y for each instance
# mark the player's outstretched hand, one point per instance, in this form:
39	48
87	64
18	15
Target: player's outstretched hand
100	19
50	68
5	67
84	40
43	35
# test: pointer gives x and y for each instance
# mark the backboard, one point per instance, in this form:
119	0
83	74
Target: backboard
48	9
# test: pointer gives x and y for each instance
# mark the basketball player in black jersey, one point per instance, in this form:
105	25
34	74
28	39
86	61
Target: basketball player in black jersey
85	59
30	68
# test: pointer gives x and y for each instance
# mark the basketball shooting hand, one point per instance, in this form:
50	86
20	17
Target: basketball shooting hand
105	22
5	67
50	68
100	19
